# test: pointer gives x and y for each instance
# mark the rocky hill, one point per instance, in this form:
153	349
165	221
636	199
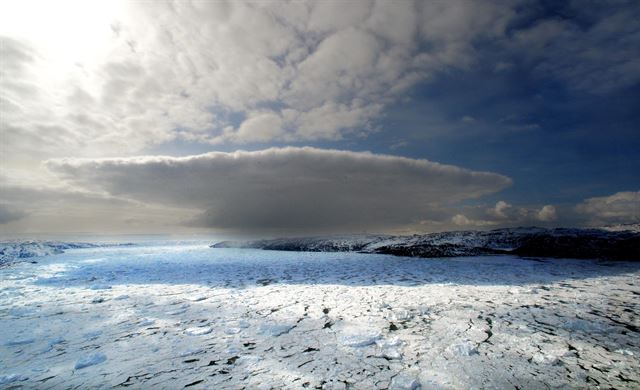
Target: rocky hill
530	241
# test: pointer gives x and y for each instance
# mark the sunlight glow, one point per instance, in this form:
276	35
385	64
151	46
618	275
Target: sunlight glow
66	34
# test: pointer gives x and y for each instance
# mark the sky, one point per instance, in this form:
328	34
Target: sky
294	117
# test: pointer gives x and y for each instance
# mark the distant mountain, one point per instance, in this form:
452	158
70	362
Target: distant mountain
631	227
14	251
523	241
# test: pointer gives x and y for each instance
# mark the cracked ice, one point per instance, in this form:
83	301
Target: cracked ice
190	316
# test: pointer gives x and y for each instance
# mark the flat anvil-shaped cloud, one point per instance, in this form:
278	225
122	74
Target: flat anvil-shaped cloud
287	188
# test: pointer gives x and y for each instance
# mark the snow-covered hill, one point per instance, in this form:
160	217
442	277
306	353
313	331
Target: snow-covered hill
14	251
631	227
528	241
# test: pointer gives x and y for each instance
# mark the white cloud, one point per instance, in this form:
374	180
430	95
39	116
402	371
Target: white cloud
621	207
145	73
464	221
259	127
210	72
289	189
335	15
547	214
500	210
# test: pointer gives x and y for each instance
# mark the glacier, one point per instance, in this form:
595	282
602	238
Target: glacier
176	315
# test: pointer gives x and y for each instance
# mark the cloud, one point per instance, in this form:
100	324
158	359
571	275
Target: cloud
597	51
288	189
621	207
259	127
34	208
7	214
506	214
547	214
185	75
464	221
500	210
150	73
154	72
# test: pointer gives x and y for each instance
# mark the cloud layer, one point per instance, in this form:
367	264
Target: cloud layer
111	78
621	207
116	80
288	189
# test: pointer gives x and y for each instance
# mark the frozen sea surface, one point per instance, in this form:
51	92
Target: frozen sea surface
190	316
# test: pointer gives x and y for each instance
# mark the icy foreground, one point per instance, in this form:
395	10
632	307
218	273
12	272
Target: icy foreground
188	316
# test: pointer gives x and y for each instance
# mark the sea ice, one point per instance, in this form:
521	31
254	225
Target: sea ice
57	340
465	348
400	315
197	298
359	337
541	358
17	342
390	348
100	287
249	360
275	329
11	378
404	382
147	322
198	331
176	312
585	326
92	335
190	352
326	322
90	360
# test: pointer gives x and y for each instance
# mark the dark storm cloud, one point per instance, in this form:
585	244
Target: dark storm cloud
7	214
287	188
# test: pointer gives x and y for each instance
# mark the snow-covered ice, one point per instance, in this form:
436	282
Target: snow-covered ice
11	378
90	360
198	331
188	315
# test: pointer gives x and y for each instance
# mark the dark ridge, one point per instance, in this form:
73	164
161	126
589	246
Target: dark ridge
525	242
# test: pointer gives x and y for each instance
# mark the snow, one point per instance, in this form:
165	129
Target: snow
541	358
147	322
353	336
13	343
465	348
90	360
13	251
275	330
621	244
198	331
390	348
11	378
178	315
404	382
